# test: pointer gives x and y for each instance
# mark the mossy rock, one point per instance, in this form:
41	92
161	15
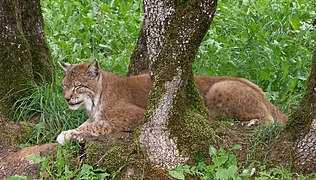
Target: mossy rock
14	133
110	151
120	154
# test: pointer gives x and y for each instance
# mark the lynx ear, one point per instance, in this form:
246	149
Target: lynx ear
93	69
65	66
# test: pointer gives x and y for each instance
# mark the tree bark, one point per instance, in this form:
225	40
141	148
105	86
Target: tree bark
33	29
175	114
139	60
23	50
16	64
301	127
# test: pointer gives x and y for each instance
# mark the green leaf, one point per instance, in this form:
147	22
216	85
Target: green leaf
296	22
221	174
265	75
36	159
236	147
177	174
17	177
232	170
220	160
212	151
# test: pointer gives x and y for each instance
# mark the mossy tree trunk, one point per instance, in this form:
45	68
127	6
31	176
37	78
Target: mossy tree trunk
175	116
23	50
33	29
301	127
139	59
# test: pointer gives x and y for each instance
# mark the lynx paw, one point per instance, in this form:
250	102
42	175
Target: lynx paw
253	122
66	135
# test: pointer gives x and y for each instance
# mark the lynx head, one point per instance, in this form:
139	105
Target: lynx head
81	84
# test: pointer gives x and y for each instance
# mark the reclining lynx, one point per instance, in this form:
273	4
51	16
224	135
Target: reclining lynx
116	103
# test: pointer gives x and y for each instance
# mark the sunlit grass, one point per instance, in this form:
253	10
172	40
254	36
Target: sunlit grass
81	30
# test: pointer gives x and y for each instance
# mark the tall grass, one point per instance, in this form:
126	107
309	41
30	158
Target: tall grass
49	112
268	42
81	30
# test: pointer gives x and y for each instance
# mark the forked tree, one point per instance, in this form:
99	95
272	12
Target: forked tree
167	43
24	53
169	39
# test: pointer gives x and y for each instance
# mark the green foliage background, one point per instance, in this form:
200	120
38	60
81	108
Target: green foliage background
267	41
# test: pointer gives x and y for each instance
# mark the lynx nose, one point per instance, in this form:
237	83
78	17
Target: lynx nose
67	97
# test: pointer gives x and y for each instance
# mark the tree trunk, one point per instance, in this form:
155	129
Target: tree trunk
23	50
16	64
33	29
301	127
175	114
139	60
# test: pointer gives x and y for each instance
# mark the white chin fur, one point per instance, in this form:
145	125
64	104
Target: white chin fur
88	104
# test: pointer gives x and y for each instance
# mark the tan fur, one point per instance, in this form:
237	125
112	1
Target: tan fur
117	103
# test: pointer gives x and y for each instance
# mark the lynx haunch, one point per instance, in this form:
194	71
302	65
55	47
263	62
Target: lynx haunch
116	103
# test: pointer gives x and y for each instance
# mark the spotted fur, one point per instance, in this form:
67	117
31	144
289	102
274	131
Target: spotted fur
117	103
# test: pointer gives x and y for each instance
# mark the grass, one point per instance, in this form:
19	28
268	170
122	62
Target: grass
81	30
224	166
268	42
47	108
61	168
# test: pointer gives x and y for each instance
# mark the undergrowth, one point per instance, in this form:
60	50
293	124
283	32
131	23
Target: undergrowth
59	167
224	166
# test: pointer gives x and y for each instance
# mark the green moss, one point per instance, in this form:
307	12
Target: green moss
42	63
193	132
191	123
297	124
24	51
14	134
15	64
121	157
16	74
111	156
41	58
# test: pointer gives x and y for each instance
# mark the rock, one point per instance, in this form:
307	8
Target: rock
13	161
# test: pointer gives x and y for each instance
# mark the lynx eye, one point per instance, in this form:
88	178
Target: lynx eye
77	86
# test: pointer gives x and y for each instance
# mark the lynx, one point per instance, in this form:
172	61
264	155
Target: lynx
117	103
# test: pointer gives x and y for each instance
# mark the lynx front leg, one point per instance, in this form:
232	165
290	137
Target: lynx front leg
86	129
122	117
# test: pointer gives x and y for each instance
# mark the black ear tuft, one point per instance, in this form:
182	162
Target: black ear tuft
93	69
65	66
